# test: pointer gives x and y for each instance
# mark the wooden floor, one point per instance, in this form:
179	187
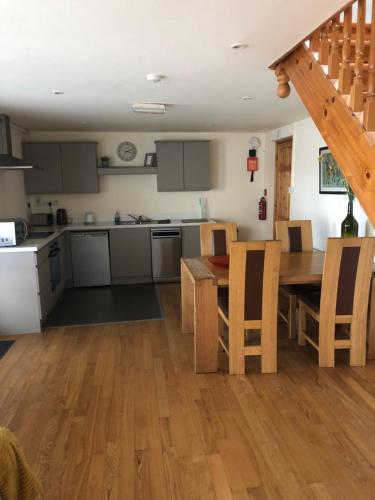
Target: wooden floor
115	412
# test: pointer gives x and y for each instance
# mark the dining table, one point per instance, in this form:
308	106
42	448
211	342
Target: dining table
200	280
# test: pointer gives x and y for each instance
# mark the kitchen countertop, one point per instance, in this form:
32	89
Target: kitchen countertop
36	245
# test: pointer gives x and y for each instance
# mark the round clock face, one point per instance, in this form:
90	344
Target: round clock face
127	151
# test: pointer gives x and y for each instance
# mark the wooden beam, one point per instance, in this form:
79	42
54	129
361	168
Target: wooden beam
340	128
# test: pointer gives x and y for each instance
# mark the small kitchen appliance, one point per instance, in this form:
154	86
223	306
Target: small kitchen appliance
45	219
89	218
61	217
12	232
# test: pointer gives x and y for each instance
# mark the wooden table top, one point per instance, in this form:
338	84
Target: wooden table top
302	267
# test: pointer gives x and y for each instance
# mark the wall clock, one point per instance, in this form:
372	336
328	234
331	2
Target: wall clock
126	151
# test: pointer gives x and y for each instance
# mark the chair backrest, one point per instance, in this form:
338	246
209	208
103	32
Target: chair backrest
295	235
254	281
216	237
346	277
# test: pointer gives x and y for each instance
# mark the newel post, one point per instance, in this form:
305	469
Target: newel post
283	88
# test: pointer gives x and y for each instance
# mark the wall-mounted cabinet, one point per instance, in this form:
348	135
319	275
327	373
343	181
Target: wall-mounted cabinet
183	165
64	167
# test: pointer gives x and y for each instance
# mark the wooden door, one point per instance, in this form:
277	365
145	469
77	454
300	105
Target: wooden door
282	179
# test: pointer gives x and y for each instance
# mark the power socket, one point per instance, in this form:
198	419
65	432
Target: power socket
45	203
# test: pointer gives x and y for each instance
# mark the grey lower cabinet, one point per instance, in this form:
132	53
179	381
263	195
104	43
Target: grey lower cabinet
183	165
63	167
48	296
191	245
130	255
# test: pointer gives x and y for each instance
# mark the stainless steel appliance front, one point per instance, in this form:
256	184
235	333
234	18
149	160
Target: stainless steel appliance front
166	254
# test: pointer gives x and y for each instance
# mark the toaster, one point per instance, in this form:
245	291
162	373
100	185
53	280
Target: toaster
42	219
12	232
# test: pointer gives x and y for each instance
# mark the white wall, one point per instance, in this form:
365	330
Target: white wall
12	193
325	210
232	196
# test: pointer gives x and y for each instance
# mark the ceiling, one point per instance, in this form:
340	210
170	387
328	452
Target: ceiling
99	53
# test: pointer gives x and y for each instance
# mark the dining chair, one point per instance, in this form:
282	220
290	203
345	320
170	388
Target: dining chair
343	300
295	236
216	237
252	304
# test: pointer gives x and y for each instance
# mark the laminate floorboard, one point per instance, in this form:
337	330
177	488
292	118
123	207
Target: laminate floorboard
115	412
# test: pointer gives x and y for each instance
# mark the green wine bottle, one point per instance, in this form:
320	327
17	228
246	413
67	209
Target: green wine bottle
349	226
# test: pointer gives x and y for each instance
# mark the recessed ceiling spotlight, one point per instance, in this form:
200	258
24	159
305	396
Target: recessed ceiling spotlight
238	45
58	92
247	98
149	107
152	77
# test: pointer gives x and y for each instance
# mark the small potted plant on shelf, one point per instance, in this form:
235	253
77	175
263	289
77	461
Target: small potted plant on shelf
104	161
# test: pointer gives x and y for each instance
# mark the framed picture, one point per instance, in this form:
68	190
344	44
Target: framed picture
331	180
150	160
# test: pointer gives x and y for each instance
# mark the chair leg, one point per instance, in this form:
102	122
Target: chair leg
220	331
357	345
292	323
236	350
269	349
326	344
301	324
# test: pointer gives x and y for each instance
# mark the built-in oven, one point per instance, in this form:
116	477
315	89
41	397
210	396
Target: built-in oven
55	265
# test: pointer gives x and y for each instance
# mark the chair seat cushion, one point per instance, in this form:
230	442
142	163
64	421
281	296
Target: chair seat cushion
301	289
223	303
312	300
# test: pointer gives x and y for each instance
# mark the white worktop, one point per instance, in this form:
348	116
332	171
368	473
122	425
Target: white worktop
36	245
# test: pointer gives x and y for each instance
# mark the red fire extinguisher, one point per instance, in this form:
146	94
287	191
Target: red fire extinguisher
252	163
263	206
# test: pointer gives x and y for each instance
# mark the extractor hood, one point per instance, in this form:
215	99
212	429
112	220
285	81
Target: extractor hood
7	160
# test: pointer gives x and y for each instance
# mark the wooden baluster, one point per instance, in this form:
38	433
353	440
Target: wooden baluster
357	90
369	109
324	45
334	58
283	89
345	74
315	41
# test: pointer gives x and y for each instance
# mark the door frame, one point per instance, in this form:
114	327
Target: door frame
290	138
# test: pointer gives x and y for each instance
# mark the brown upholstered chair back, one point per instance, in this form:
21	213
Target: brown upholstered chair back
295	235
346	276
254	280
216	238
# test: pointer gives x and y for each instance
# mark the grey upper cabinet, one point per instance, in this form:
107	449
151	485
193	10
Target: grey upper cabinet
183	165
79	167
196	161
130	255
47	177
170	175
65	168
191	245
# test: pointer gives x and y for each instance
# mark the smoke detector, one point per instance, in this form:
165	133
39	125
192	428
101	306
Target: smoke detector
149	107
152	77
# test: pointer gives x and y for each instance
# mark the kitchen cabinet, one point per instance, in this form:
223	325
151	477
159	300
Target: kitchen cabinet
183	165
130	255
65	167
47	178
191	245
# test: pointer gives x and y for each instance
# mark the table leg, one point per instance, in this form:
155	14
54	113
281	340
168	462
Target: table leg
371	324
187	300
205	327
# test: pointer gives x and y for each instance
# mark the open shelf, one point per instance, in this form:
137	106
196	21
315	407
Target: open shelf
127	170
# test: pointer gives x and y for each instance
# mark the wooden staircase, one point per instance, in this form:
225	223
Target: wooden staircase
333	71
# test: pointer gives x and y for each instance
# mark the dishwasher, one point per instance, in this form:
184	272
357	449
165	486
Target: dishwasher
90	258
166	254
